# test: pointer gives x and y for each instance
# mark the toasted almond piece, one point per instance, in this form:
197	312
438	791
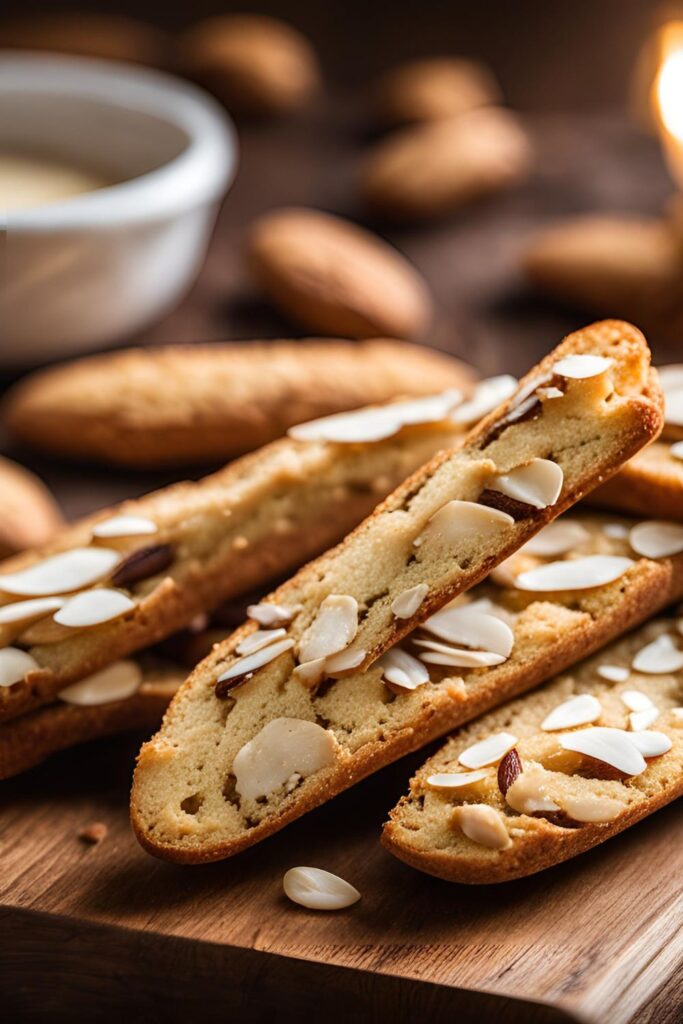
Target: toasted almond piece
406	604
28	611
486	397
244	667
580	367
115	682
125	526
147	561
483	825
310	673
261	638
636	701
70	570
93	833
592	808
614	673
656	538
459	519
659	657
282	747
344	661
402	669
546	394
318	890
487	751
528	793
640	720
449	781
538	483
676	450
574	574
364	426
466	627
556	538
613	746
579	710
650	743
457	657
93	607
332	630
14	665
271	614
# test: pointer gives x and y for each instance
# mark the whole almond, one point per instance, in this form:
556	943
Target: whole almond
256	65
29	515
508	770
332	277
434	88
429	170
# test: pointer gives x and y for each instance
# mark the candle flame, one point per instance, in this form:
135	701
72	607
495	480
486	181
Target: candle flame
669	83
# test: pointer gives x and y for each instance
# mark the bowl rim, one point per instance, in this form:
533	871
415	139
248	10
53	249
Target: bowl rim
200	174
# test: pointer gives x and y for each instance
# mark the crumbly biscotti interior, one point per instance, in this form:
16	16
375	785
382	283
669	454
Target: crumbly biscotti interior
557	802
227	534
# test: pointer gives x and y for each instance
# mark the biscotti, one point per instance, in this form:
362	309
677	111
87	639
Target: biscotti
554	773
433	169
253	733
127	577
165	406
127	695
29	515
433	88
651	483
331	276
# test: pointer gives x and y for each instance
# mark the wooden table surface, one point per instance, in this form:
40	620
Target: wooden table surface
98	930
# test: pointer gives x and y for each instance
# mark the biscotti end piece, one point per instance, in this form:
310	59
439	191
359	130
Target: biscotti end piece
554	773
29	515
331	276
181	404
270	725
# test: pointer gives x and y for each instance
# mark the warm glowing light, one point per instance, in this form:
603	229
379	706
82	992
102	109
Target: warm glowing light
668	95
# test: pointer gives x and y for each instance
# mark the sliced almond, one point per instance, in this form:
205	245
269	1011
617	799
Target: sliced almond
614	673
656	538
70	570
650	743
488	751
636	701
454	657
579	710
528	794
242	669
580	367
318	890
377	423
640	720
125	526
115	682
93	608
592	808
487	396
282	747
14	665
406	604
310	673
402	669
344	661
659	657
616	531
261	638
671	380
556	538
538	483
332	630
465	626
676	450
574	574
272	614
458	520
547	394
27	611
612	746
483	825
449	781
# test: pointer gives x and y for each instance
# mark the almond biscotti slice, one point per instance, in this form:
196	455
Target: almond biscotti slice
254	735
553	773
651	483
128	694
125	578
181	404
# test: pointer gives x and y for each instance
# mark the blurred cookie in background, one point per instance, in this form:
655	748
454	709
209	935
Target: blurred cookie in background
105	36
434	88
29	515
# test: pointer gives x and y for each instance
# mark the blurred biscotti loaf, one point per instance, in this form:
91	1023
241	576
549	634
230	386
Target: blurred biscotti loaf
250	732
164	406
329	275
129	576
553	773
434	88
29	515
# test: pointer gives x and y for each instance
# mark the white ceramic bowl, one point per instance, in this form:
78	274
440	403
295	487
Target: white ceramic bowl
93	269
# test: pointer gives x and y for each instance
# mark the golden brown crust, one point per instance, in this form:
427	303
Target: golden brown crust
175	405
650	485
29	515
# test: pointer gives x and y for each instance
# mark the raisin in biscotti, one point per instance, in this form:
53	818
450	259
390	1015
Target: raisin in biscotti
164	406
127	695
146	569
553	773
651	483
266	697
